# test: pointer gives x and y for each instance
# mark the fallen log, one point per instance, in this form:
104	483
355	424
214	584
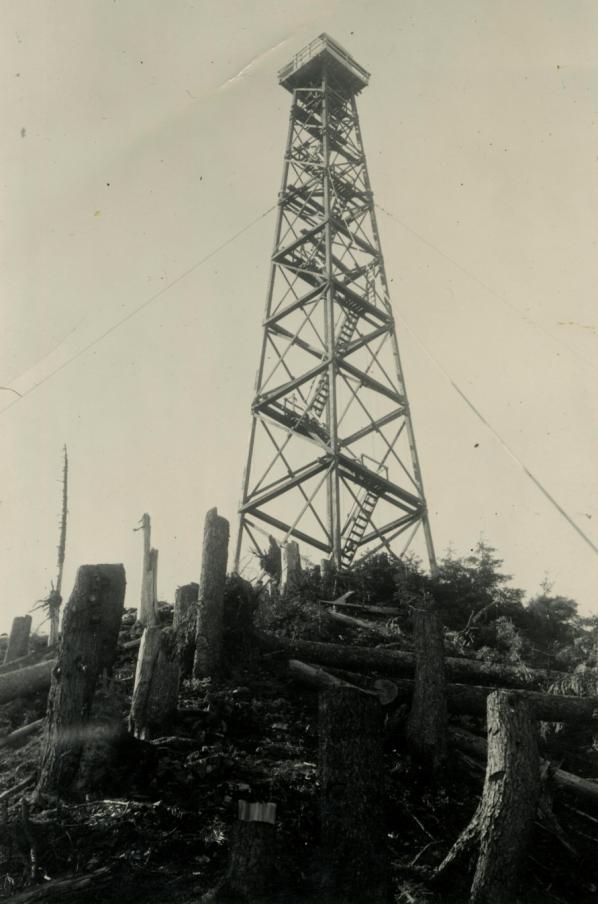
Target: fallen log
470	699
581	788
63	890
371	610
385	691
31	659
20	786
360	623
18	737
401	662
24	682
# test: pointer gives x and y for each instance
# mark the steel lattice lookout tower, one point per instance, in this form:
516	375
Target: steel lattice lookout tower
332	460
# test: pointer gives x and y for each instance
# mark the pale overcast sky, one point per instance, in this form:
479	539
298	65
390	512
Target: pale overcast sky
138	136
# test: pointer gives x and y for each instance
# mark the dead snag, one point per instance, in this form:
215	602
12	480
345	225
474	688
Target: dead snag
208	637
89	639
352	794
505	815
427	722
184	621
18	642
148	604
291	567
157	678
250	866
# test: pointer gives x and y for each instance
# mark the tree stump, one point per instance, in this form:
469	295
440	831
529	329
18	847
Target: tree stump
327	576
291	567
503	821
208	637
427	722
157	677
184	622
352	794
87	650
18	642
251	860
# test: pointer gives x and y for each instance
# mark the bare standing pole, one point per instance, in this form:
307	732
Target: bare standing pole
55	598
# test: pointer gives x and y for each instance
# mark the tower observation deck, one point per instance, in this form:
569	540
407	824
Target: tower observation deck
332	460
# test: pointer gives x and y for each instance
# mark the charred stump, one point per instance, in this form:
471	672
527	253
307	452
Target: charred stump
184	622
87	651
502	823
427	722
157	678
18	641
208	637
352	795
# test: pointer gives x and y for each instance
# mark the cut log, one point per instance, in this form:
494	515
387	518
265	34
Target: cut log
352	795
18	641
250	867
504	819
21	735
184	623
25	682
426	725
315	677
208	638
401	662
88	648
583	789
157	677
31	659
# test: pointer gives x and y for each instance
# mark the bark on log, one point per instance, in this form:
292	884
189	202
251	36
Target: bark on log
352	794
31	659
25	682
208	638
426	725
157	678
18	641
401	662
251	859
583	789
504	819
184	623
291	567
90	629
315	677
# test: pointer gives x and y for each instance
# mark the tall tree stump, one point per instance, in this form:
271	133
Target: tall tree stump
291	567
184	623
157	677
503	821
87	650
148	603
251	859
427	722
18	641
352	794
208	636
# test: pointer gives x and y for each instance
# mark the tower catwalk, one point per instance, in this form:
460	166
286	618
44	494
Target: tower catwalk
332	460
